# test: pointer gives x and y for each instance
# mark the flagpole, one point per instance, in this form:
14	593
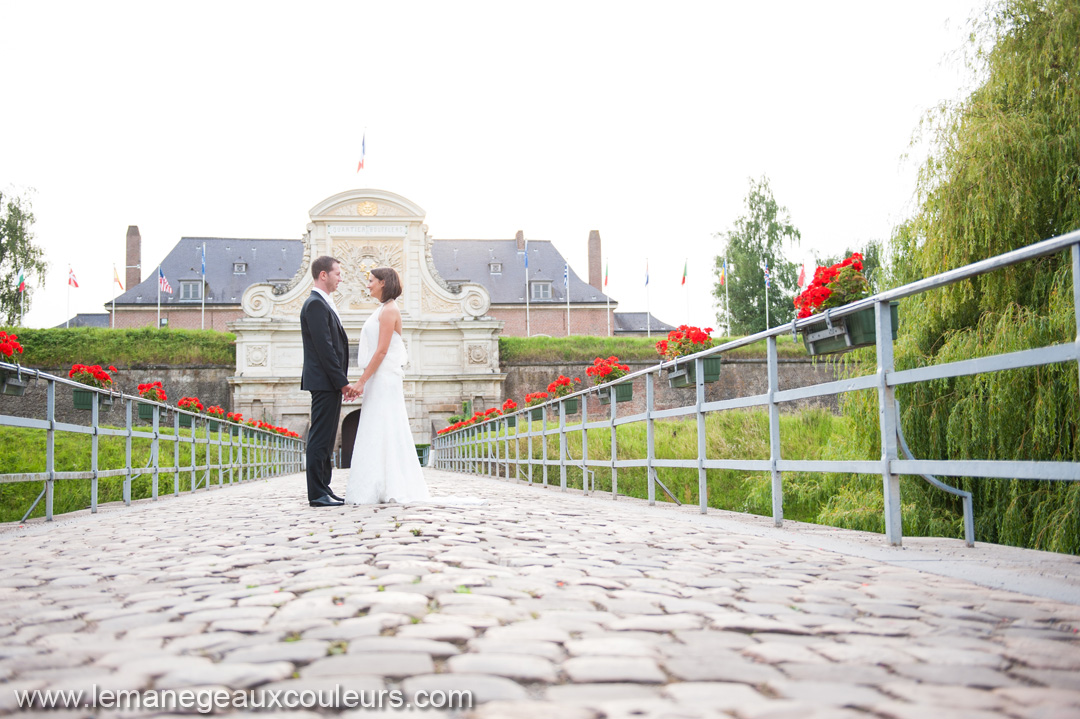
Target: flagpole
686	287
202	290
67	322
566	282
606	295
766	294
159	297
528	326
112	320
648	312
727	297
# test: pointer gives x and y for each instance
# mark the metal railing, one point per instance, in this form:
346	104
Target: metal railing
243	452
476	449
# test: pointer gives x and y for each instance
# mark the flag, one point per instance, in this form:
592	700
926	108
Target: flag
116	277
723	273
605	274
685	262
566	275
646	273
526	255
766	273
163	284
363	149
71	278
802	276
22	282
204	260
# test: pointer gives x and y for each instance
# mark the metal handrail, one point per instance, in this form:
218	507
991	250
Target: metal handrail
460	450
254	453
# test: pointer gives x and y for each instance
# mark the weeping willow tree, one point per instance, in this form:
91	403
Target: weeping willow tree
1003	173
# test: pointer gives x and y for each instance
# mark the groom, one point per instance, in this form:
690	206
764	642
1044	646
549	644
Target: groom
326	364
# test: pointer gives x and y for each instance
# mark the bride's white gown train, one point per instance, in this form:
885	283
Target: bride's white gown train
385	467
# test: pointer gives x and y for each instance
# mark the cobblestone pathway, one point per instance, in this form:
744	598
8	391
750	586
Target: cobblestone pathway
543	604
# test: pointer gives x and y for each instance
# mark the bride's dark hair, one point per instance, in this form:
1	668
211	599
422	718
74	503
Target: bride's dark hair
392	283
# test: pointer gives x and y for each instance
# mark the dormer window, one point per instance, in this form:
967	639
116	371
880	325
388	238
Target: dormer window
191	290
239	268
495	268
541	290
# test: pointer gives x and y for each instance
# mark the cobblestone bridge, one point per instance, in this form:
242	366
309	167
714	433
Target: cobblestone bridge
543	604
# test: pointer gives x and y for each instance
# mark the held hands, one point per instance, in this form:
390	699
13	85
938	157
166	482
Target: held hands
351	392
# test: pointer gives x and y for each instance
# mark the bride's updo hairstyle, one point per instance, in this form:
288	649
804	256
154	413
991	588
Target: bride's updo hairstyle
391	283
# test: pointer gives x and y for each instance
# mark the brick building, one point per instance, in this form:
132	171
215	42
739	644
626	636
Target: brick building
499	265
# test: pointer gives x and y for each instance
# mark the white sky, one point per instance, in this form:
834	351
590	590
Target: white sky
644	121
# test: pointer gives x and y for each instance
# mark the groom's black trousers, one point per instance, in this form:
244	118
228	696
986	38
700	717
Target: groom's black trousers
325	411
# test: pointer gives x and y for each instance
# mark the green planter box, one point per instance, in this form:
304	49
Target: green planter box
14	384
214	426
623	393
686	375
234	430
511	421
571	406
422	451
847	333
84	399
185	420
146	411
537	414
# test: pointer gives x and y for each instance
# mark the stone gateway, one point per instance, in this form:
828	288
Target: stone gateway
452	342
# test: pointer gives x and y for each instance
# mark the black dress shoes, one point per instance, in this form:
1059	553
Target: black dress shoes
334	496
325	501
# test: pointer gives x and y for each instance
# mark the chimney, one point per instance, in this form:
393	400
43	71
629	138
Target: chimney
134	257
596	272
521	240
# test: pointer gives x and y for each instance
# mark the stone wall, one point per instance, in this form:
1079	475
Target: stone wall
208	383
739	378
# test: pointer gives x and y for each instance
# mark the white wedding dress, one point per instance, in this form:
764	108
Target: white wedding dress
385	467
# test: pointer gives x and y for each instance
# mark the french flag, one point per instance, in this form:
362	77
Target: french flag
363	149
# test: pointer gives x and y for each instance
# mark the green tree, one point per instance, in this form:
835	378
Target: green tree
19	256
758	238
1003	173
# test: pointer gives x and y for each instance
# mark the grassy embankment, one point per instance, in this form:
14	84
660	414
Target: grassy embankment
124	348
23	450
545	350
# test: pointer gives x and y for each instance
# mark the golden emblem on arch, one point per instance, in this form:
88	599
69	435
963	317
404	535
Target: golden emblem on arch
367	209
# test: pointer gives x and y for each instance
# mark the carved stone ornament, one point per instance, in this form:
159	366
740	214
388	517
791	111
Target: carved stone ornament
356	262
256	355
428	242
477	354
305	265
367	209
431	303
475	302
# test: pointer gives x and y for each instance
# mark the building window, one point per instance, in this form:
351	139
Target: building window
191	290
541	290
495	268
239	268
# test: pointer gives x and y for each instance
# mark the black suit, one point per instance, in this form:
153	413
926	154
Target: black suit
326	366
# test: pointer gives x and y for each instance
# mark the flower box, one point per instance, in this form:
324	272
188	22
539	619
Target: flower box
185	420
623	393
214	426
686	375
14	383
234	430
571	405
536	414
146	411
511	421
84	399
847	333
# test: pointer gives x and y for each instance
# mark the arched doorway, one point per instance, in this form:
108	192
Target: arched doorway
348	437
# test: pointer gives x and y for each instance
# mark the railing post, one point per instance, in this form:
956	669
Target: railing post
50	449
562	446
702	439
176	453
493	448
649	438
530	447
887	421
614	443
585	444
127	450
191	441
220	466
774	432
155	448
94	455
1076	297
543	443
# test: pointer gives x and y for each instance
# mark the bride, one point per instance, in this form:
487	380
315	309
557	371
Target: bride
385	467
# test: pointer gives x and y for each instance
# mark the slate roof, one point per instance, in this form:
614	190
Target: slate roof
267	261
469	260
85	319
636	322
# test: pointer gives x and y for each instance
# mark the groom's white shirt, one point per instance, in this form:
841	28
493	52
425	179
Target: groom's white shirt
328	301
